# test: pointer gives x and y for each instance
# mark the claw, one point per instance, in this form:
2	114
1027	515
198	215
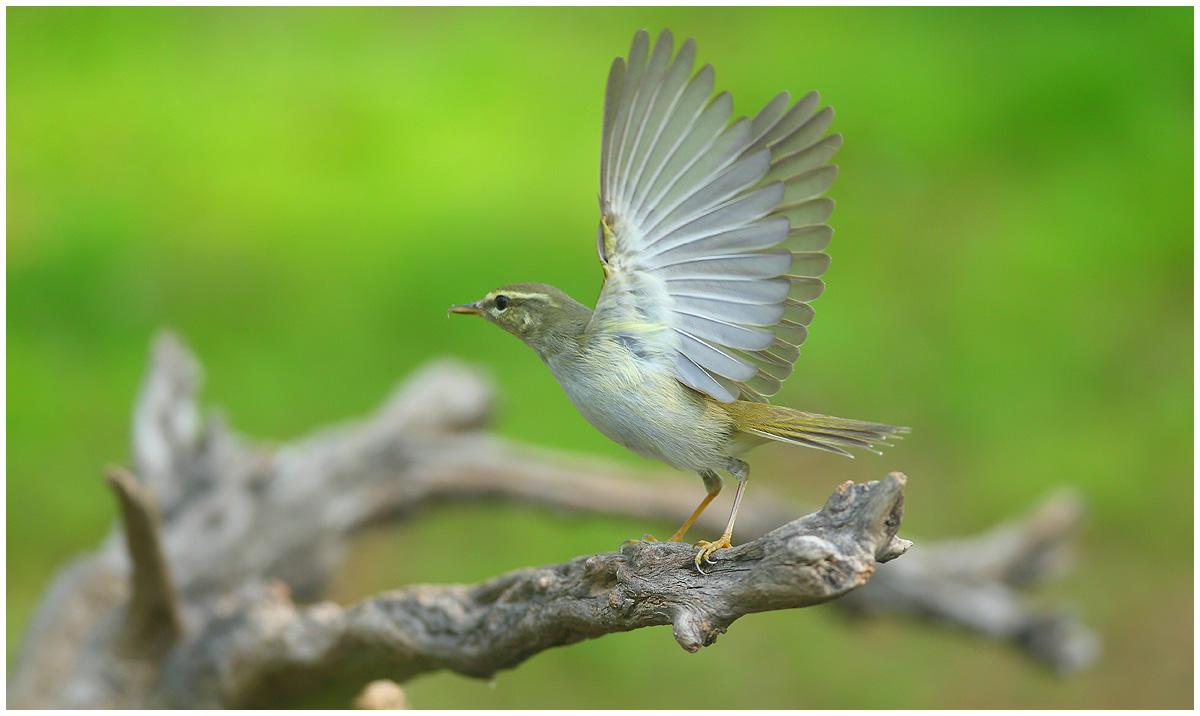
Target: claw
707	549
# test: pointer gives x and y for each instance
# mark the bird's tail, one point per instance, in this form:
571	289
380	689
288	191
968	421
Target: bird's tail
823	432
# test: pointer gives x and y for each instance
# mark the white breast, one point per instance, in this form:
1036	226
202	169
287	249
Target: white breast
638	403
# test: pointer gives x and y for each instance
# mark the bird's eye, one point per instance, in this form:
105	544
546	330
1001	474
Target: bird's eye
501	302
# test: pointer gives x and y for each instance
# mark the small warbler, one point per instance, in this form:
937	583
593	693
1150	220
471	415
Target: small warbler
712	239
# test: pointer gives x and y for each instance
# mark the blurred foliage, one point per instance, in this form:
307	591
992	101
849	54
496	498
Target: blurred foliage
302	192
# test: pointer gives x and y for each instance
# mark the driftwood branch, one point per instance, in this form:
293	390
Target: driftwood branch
268	646
152	619
252	535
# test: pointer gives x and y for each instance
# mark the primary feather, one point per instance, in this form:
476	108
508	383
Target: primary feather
712	233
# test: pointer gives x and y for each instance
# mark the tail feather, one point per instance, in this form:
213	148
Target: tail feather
823	432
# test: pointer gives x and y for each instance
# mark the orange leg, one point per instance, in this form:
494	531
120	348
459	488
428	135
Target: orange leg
683	528
725	540
712	483
741	471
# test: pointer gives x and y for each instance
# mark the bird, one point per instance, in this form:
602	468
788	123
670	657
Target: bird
712	239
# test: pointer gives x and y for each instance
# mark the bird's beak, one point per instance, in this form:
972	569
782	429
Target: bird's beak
471	308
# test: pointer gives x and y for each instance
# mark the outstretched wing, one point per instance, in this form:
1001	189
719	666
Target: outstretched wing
712	234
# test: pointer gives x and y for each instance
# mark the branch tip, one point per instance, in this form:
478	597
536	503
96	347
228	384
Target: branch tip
152	619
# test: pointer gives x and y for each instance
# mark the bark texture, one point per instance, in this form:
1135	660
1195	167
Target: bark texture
208	591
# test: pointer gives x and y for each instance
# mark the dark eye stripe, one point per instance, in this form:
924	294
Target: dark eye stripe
501	302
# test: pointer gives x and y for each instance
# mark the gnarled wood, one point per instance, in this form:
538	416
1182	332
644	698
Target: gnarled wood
252	533
269	650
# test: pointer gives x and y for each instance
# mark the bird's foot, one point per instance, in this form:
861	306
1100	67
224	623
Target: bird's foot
644	538
708	548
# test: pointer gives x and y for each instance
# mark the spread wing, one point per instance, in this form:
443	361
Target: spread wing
712	233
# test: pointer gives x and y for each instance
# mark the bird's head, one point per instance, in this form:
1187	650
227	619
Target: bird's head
539	314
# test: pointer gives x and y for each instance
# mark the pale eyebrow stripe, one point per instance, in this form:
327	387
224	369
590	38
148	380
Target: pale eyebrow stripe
526	296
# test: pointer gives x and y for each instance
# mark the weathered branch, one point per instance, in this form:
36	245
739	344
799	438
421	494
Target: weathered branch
241	521
152	621
270	648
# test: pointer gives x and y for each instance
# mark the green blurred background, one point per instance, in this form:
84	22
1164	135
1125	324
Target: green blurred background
302	192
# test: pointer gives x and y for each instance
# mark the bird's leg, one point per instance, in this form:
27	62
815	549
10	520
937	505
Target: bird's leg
712	483
741	471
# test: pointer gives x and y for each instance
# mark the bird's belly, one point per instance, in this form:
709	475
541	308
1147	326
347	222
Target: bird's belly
654	416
